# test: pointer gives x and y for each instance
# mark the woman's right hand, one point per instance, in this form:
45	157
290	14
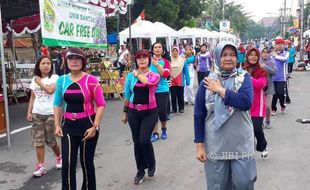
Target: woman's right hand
58	131
125	118
29	117
201	154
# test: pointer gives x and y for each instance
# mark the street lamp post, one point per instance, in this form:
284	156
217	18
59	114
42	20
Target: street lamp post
301	4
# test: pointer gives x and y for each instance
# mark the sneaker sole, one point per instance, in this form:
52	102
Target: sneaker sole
153	174
139	182
38	176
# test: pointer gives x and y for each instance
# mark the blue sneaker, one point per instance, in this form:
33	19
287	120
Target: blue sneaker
154	137
164	134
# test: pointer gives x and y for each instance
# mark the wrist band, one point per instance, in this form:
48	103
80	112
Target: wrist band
125	109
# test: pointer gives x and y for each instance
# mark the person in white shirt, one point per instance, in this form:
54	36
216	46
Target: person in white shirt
123	58
41	113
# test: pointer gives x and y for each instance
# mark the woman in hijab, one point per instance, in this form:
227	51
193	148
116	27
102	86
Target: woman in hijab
267	63
179	74
258	109
222	123
189	95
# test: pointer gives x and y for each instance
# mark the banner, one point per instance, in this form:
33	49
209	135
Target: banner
224	26
64	23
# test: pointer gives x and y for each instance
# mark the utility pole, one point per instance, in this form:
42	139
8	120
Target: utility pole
301	4
223	9
284	14
284	20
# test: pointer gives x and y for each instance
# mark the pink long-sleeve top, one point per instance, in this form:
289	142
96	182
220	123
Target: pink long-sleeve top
138	93
258	108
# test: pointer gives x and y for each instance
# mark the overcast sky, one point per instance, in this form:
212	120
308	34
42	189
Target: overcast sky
262	8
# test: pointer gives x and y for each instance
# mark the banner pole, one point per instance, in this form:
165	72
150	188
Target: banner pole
5	92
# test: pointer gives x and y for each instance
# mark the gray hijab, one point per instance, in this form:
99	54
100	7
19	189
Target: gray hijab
213	100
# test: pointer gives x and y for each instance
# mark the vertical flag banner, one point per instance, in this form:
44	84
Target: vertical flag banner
65	23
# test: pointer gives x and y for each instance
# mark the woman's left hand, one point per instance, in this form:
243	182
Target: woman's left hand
89	133
212	84
135	73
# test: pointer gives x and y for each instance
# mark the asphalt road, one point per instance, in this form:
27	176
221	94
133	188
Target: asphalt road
287	167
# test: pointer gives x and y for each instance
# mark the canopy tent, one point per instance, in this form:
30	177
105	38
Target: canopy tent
306	33
28	24
165	31
203	34
147	29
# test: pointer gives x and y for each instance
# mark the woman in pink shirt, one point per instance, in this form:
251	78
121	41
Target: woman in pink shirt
258	109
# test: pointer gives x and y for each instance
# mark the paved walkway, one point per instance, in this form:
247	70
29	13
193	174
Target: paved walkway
287	167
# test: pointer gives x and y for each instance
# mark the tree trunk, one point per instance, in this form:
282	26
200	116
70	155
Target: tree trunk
11	45
34	44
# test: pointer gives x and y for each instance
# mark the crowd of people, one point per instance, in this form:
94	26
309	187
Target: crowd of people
238	90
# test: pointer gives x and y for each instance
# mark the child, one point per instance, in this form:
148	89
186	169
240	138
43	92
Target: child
41	113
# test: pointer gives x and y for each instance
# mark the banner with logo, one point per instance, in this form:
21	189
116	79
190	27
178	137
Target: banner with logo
224	26
65	23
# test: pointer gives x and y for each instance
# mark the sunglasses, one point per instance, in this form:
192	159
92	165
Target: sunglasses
74	57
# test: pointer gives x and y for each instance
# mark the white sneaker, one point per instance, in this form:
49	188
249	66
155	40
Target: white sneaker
40	170
267	125
264	153
58	162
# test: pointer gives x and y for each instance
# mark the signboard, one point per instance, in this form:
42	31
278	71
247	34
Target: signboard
65	23
224	26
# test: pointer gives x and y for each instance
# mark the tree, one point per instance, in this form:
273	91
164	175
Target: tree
175	13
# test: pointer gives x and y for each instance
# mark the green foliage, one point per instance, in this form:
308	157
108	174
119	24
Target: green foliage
180	13
175	13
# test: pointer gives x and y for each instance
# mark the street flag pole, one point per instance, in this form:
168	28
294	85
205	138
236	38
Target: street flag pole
132	66
5	93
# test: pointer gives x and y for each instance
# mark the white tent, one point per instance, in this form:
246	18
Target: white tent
163	30
140	29
306	33
147	29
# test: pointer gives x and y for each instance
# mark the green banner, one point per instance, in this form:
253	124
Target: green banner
65	23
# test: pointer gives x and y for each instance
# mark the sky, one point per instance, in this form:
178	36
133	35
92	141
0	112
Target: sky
265	8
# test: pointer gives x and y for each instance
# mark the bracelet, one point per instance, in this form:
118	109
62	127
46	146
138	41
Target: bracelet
125	109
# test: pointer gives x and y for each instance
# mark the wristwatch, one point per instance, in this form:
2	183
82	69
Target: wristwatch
97	127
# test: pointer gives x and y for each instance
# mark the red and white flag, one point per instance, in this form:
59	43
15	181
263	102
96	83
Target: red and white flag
141	16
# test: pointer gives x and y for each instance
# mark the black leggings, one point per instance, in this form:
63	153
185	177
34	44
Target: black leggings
70	145
177	95
202	75
259	133
142	124
290	67
162	99
280	90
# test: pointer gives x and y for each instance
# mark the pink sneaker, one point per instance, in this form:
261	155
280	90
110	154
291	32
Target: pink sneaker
283	110
58	162
40	170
